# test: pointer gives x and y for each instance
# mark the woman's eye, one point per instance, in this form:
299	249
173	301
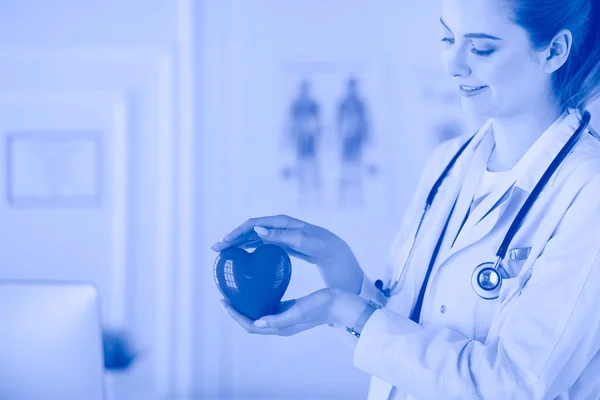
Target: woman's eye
448	40
482	53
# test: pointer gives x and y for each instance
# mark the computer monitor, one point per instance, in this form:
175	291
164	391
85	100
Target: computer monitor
50	342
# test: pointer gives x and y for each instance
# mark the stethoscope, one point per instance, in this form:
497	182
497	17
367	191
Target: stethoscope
487	277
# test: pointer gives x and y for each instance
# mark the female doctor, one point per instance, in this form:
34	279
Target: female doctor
492	288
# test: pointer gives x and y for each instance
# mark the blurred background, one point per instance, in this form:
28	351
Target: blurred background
135	134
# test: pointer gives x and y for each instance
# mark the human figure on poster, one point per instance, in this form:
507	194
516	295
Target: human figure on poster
353	129
305	133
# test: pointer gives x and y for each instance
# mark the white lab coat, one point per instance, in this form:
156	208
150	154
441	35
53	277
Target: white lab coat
540	338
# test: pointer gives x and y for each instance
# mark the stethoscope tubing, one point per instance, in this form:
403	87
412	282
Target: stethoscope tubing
499	273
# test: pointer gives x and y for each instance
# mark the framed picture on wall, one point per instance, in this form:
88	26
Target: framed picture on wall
64	191
54	168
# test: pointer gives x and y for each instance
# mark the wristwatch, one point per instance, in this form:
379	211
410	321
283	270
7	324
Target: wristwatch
372	306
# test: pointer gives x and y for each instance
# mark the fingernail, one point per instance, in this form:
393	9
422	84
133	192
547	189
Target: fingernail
261	231
260	323
215	246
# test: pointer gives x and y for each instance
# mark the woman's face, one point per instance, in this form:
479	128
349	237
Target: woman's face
491	59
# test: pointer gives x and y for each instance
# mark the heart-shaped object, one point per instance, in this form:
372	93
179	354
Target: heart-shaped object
253	283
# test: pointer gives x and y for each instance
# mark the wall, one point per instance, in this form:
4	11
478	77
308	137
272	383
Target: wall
112	68
251	56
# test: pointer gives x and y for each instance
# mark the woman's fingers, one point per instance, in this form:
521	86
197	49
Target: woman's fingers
290	317
248	241
246	323
284	306
276	221
254	243
297	239
285	328
294	329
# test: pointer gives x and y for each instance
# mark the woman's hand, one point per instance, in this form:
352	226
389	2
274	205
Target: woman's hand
325	306
337	264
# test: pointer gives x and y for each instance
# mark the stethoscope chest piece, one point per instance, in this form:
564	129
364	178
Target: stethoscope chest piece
486	280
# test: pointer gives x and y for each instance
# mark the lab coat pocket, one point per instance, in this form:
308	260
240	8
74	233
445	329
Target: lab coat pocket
515	260
489	309
511	287
513	266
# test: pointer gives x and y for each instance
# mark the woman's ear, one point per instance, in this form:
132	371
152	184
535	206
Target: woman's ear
557	52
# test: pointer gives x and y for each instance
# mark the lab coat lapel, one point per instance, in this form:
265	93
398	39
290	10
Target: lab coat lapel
467	189
450	195
433	224
484	217
477	225
526	173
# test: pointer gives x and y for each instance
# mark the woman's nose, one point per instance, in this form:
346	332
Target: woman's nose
456	62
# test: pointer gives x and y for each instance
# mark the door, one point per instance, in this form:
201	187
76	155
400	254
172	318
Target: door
86	188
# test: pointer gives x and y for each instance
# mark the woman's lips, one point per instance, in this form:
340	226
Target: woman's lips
468	91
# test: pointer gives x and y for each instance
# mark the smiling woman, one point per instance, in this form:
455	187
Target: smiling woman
492	283
521	67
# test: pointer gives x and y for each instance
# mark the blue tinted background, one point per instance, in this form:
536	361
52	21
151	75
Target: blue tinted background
189	107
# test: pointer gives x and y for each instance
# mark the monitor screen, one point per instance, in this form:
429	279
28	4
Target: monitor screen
50	341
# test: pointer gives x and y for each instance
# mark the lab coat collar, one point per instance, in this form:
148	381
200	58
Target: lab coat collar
530	168
535	161
525	175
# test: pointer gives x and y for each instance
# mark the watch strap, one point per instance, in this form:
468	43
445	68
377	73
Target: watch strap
372	306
